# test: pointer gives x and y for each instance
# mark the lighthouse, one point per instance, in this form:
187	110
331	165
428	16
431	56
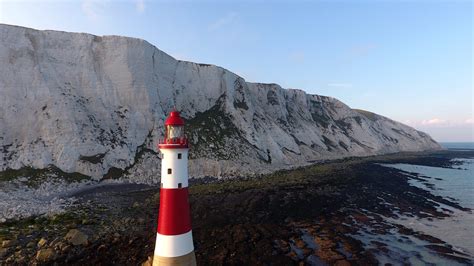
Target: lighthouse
174	239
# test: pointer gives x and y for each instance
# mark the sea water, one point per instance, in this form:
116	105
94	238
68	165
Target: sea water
458	145
455	184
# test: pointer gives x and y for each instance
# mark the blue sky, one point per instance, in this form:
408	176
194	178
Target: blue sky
411	61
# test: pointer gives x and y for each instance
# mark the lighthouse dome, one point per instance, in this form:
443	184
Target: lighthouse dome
174	119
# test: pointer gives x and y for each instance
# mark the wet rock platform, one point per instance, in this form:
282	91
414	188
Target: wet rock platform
316	215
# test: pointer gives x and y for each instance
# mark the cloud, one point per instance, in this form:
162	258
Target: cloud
340	85
140	6
446	129
434	121
223	21
438	122
93	9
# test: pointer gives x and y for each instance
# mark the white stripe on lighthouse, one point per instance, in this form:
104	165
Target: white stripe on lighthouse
174	245
179	168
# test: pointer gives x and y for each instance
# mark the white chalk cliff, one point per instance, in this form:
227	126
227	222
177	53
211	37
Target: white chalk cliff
95	105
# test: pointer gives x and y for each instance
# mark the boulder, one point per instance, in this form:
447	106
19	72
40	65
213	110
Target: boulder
3	252
76	237
148	262
342	263
42	242
45	255
9	243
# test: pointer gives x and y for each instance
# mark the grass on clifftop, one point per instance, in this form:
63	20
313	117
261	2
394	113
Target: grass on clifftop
369	115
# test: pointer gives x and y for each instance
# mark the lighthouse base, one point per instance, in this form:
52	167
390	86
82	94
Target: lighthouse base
185	260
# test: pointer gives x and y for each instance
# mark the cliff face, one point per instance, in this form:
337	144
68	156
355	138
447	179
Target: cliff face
89	104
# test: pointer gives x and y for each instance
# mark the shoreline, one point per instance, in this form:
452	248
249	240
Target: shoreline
311	214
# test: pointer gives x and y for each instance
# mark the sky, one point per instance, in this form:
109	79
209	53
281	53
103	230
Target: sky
411	61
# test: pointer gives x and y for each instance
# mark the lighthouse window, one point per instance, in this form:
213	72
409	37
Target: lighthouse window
169	171
179	155
180	185
175	132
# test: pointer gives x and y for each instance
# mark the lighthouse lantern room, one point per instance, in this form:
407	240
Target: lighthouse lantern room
174	133
174	240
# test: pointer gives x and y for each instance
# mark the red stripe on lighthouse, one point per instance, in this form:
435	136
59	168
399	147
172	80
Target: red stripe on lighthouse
174	217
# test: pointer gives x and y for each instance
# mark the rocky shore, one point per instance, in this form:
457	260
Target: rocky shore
308	216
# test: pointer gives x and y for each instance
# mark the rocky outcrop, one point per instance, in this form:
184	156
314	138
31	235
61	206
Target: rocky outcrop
76	237
96	105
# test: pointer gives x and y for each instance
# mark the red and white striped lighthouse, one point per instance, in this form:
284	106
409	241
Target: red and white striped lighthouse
174	239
